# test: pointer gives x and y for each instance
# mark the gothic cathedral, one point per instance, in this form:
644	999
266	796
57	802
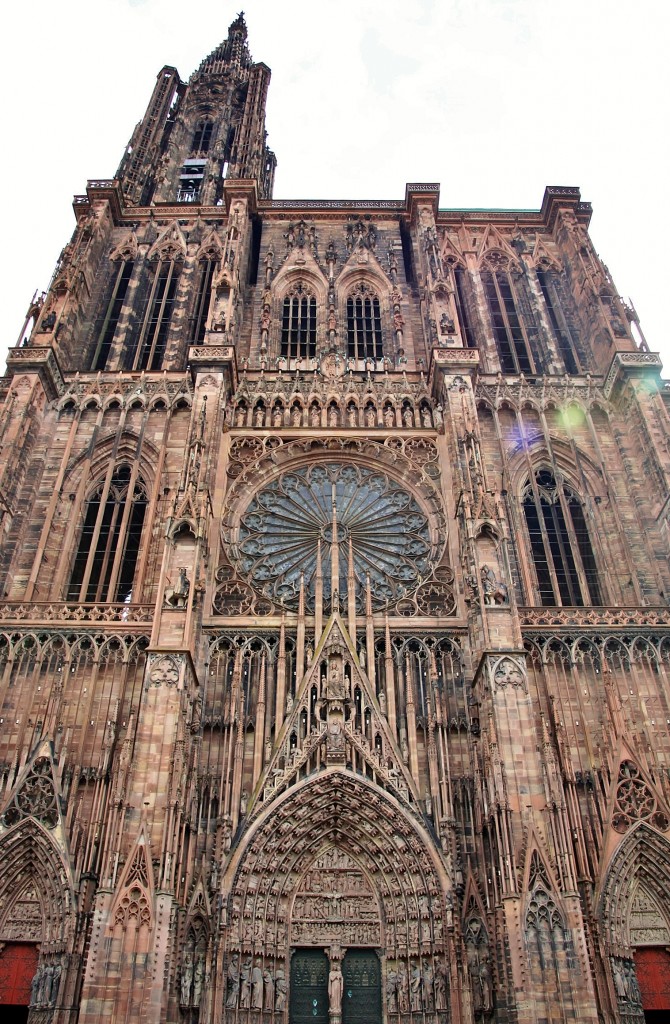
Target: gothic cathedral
335	635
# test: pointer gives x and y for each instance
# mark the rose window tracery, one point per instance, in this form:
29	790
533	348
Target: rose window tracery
331	506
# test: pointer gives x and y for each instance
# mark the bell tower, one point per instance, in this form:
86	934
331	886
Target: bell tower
194	135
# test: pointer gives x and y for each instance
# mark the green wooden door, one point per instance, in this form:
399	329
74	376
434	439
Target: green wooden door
309	987
362	1002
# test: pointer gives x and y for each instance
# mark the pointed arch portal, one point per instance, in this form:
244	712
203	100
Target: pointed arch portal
336	865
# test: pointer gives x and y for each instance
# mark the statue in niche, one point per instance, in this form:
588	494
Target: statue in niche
416	989
407	417
335	989
389	417
392	991
268	990
245	984
495	591
403	989
233	982
259	416
198	979
280	991
177	596
257	987
441	986
186	980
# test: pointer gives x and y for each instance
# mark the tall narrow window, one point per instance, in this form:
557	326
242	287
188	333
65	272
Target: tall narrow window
511	341
106	559
560	544
558	322
148	353
298	328
364	325
106	327
202	137
462	309
203	298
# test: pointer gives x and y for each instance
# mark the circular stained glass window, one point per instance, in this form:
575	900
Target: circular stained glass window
371	518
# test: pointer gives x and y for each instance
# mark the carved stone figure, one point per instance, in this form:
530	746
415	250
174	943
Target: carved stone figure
280	991
36	986
233	992
245	985
403	989
257	986
335	989
186	979
268	989
407	417
389	417
198	980
391	992
416	989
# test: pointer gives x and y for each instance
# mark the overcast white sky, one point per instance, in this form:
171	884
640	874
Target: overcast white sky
492	98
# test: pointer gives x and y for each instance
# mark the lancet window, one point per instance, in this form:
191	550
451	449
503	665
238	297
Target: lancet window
559	324
202	137
106	560
508	329
106	326
364	325
565	566
298	326
149	350
463	308
203	298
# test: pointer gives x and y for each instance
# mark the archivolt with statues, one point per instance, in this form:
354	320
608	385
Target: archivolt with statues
333	863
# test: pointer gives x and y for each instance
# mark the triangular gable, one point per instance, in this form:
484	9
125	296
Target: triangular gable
542	259
362	264
493	242
170	244
292	752
126	249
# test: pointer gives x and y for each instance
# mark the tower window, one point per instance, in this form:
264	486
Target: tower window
190	181
364	326
558	322
110	320
462	308
105	563
298	329
560	544
202	137
150	349
202	300
511	341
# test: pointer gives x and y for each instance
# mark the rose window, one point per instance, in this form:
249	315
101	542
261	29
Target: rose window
337	509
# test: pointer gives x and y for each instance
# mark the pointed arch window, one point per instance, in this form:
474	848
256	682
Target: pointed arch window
203	297
298	327
106	559
202	137
149	350
560	544
549	286
364	325
508	329
107	325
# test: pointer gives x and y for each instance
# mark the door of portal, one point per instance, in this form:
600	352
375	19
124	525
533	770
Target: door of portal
362	1001
308	1003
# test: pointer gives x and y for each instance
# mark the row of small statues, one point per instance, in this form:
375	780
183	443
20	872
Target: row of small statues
423	988
297	416
45	984
250	987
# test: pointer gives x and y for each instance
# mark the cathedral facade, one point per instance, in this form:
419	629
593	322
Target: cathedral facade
334	631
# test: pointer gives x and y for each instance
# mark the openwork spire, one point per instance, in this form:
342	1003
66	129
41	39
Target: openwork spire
233	52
